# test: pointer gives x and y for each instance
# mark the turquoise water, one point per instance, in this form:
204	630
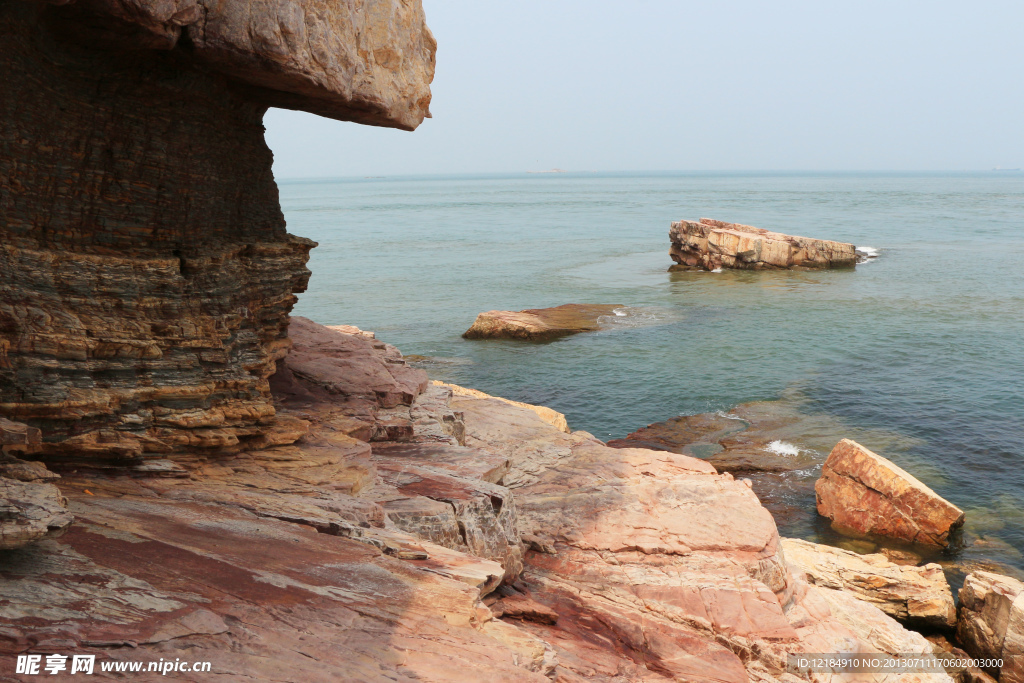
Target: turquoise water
922	347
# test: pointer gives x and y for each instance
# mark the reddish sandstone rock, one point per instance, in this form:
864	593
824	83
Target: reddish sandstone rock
864	493
539	324
918	596
990	623
710	244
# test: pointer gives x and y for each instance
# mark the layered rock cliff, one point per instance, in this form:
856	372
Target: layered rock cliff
146	274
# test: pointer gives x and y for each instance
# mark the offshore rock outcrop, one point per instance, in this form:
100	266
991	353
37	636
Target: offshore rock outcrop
540	324
708	244
146	275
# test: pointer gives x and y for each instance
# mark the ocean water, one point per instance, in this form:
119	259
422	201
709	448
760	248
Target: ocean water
919	352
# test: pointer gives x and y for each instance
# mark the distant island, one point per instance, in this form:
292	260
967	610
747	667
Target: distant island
554	170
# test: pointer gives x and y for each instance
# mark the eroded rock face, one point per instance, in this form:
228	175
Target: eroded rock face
990	623
539	324
146	275
863	493
919	596
709	245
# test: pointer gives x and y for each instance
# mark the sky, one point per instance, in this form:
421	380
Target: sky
661	85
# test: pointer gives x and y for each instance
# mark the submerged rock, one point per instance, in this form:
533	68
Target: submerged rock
919	596
709	245
863	493
539	324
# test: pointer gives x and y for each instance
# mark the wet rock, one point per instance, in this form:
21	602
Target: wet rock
709	245
918	596
990	622
863	493
540	324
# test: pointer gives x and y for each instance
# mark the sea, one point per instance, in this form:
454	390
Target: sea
917	353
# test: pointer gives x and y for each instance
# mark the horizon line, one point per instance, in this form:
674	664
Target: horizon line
562	172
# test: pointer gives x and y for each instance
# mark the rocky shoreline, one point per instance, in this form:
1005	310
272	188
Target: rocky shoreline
431	532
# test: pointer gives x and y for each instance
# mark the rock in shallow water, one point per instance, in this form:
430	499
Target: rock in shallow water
539	324
863	493
709	245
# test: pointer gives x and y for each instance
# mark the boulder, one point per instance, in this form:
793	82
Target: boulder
549	415
990	623
709	244
863	493
918	596
539	324
30	511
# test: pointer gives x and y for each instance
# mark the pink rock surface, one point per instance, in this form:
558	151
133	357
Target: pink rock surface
864	493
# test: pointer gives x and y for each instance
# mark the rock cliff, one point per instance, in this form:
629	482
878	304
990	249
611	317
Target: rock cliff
146	275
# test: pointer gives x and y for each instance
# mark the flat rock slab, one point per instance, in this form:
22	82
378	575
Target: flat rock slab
261	599
540	324
863	493
918	596
709	244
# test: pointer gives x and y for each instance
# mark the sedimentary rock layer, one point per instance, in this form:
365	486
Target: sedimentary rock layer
863	493
539	324
709	245
915	595
146	275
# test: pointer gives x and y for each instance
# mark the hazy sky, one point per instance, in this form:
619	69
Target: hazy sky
678	85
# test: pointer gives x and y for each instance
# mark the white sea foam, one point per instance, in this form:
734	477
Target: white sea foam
865	254
782	448
636	316
717	270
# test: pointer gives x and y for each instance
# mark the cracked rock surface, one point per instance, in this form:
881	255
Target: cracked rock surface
485	544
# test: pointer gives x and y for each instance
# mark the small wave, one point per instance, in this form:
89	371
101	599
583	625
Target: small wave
865	254
782	448
631	316
717	270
